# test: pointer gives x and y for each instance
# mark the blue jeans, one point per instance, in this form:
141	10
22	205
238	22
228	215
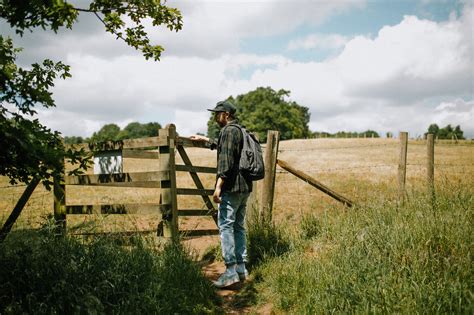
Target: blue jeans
231	227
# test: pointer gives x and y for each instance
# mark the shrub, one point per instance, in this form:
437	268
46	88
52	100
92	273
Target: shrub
44	274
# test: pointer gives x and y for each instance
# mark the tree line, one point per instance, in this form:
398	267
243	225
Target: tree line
113	132
447	132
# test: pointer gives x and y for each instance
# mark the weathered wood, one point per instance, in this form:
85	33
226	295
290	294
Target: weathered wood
140	154
195	212
196	169
7	226
168	195
113	179
187	142
430	167
191	233
430	162
59	204
313	182
147	142
194	192
402	165
268	189
114	234
116	209
197	181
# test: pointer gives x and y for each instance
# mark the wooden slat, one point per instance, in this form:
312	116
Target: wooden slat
18	208
128	184
147	142
187	142
116	209
191	233
140	154
196	169
114	234
194	192
195	212
139	177
198	182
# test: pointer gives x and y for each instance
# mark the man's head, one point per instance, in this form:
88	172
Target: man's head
224	112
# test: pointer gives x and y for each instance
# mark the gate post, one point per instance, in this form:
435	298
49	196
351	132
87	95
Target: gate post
168	198
268	189
59	193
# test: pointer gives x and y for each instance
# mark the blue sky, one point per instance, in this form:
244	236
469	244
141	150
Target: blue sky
388	66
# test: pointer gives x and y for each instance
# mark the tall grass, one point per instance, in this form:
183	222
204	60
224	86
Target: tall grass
383	258
44	274
265	240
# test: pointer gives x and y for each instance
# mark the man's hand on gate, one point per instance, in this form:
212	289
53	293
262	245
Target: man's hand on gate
199	138
217	195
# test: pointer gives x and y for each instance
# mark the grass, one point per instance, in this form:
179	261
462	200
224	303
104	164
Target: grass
45	274
382	258
264	241
318	257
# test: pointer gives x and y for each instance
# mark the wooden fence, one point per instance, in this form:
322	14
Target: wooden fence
164	147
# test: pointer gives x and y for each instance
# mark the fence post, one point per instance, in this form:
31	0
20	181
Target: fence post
402	166
7	226
59	192
168	187
268	189
430	162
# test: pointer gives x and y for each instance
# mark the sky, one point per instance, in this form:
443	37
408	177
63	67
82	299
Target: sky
384	65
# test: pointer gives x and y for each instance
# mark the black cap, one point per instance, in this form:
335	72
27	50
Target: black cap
224	106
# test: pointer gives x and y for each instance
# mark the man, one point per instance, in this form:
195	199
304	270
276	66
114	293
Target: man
231	193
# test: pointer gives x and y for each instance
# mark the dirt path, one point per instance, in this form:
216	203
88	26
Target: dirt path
239	298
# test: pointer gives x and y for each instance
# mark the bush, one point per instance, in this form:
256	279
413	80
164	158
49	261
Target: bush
44	274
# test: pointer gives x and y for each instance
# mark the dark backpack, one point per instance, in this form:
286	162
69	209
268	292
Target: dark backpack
251	158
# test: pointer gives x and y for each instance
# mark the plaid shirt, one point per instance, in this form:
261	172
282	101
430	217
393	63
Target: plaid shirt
229	147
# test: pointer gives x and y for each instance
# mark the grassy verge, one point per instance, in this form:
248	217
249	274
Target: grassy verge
44	274
380	258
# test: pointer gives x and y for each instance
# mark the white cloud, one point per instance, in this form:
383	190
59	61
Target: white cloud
456	112
400	71
408	76
213	28
319	41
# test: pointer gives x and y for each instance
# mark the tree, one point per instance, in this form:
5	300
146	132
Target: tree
434	129
106	133
136	130
29	149
458	132
369	134
73	140
446	133
266	109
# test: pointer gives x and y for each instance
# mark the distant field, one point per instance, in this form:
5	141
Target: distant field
359	169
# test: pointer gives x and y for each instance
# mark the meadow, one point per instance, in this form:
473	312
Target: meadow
360	169
379	256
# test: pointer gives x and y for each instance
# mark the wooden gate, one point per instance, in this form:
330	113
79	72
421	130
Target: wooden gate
162	149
